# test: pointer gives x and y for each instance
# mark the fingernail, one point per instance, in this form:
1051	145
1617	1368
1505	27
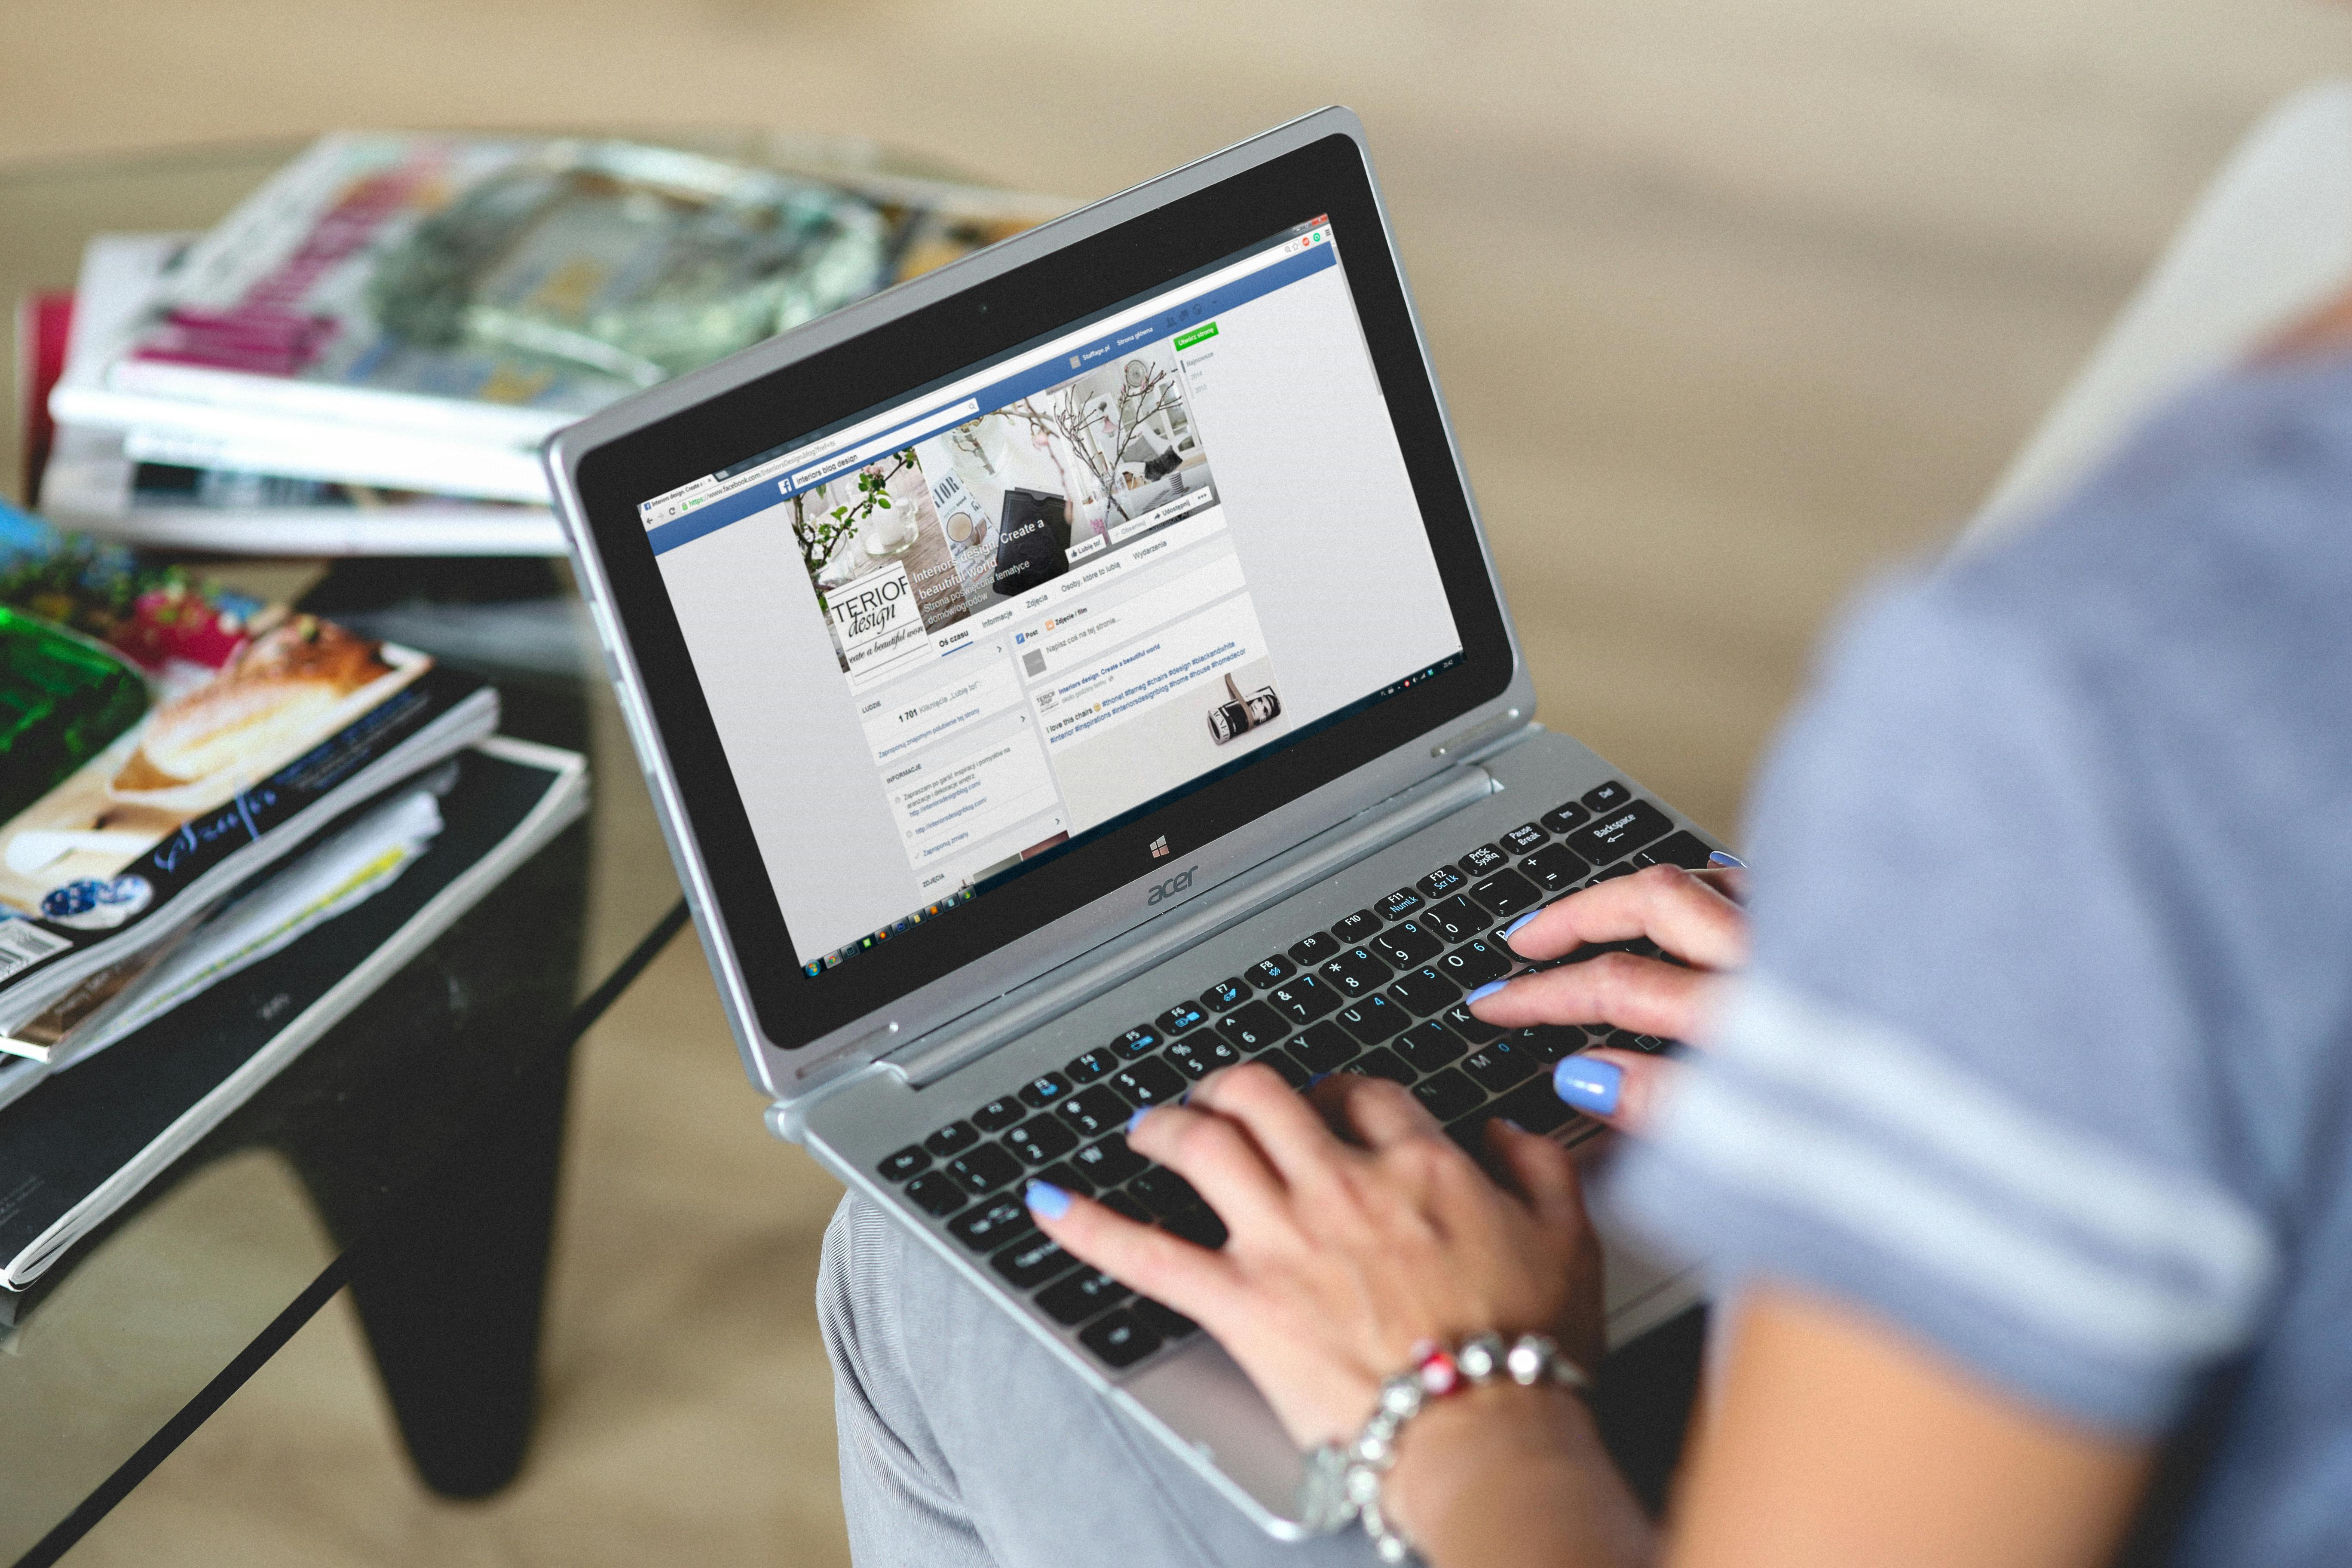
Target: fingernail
1587	1084
1725	858
1047	1200
1311	1082
1485	991
1513	929
1135	1120
1511	1125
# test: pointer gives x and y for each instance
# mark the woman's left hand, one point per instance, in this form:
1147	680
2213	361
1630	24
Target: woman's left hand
1343	1255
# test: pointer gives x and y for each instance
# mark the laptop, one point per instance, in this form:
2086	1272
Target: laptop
1074	671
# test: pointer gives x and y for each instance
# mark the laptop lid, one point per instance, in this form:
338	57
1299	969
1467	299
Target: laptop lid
977	624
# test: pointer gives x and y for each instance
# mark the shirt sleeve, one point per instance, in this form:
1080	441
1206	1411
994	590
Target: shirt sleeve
1963	1087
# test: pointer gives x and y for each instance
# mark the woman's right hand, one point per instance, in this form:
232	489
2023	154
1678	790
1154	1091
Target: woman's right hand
1692	915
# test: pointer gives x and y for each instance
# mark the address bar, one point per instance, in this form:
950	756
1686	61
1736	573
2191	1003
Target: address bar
904	436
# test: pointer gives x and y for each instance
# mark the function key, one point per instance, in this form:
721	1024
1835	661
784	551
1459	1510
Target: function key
1313	949
1358	927
904	1163
1504	894
1607	797
1398	904
1041	1139
953	1138
1525	839
1485	860
1683	849
1080	1296
984	1170
1444	880
1091	1066
1555	868
936	1194
1182	1016
1569	815
1135	1042
998	1114
1119	1340
1226	994
1622	832
1044	1089
1271	971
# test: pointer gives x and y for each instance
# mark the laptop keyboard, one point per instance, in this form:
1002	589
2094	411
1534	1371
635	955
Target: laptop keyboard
1379	993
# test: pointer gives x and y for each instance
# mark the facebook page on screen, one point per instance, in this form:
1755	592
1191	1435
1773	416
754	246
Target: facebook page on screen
968	632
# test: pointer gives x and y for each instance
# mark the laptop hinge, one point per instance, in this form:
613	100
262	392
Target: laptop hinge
1081	979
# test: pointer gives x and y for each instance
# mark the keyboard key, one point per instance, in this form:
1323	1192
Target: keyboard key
1162	1191
1119	1340
1428	1047
1424	991
1500	1066
984	1170
1304	999
1095	1110
1555	868
1547	1042
1029	1263
1126	1207
1252	1028
1610	875
1325	1047
1534	1106
1358	927
1683	849
1356	972
1166	1322
1484	861
1198	1056
904	1163
1198	1225
1269	971
1064	1176
1382	1062
953	1138
1408	943
1139	1041
1398	904
1444	880
1313	949
1091	1066
1182	1016
1375	1020
936	1194
1152	1082
1110	1164
1469	1026
1041	1139
1448	1094
1286	1068
1046	1089
1455	919
1504	894
1080	1296
1567	815
1606	797
993	1224
1525	839
998	1114
1474	963
1226	994
1621	832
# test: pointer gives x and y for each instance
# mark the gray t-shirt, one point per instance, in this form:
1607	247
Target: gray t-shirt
2045	1055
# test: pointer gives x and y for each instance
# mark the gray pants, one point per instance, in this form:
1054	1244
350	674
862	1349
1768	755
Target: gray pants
964	1443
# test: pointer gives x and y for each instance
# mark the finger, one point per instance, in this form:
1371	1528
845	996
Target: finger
1194	1281
1624	1089
1287	1129
1381	1112
1218	1157
1541	1169
1685	912
1642	995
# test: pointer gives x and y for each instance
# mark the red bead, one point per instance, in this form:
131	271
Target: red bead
1439	1375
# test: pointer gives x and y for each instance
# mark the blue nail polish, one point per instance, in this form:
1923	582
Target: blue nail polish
1311	1082
1486	990
1513	929
1725	858
1135	1120
1587	1084
1511	1125
1046	1200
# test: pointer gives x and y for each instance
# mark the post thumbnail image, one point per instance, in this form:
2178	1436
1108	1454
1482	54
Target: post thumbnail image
996	507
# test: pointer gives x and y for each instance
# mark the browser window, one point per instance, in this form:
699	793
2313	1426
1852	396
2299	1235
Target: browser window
963	634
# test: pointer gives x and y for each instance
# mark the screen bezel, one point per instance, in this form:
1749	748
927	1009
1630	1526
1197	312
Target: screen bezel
999	311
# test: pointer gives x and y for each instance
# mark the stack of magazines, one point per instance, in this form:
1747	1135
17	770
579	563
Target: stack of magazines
191	783
365	356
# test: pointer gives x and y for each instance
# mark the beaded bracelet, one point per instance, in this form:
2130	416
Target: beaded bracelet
1342	1482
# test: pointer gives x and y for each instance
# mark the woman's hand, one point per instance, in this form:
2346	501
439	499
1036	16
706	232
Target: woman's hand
1343	1255
1692	915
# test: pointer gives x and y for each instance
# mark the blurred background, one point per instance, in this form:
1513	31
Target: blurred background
1735	304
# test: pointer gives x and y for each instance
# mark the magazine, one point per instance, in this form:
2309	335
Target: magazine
163	742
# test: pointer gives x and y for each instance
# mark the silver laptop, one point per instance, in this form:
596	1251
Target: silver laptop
1076	671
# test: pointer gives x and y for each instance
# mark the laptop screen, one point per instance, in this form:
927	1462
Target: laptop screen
959	636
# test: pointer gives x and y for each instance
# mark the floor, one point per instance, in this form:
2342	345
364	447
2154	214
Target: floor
1734	303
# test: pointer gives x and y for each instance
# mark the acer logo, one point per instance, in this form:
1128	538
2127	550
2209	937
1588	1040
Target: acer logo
1173	886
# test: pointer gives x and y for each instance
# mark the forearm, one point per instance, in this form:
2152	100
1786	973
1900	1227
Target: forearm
1502	1476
